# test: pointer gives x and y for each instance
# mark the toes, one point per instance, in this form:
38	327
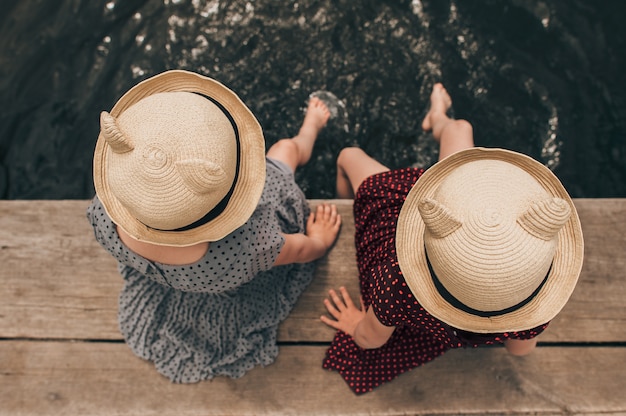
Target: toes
318	104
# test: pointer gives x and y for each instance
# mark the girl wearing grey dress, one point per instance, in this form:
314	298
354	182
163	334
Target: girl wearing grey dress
214	239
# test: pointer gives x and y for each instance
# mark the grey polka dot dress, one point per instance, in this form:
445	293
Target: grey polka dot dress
218	316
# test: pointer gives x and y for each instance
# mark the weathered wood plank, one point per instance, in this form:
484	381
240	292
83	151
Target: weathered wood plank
596	311
337	268
58	283
55	378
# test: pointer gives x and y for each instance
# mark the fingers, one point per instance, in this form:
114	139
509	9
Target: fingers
338	304
310	221
336	219
330	322
346	297
328	213
323	225
332	311
341	303
335	308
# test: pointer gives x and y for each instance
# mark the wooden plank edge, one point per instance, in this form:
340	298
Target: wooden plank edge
45	378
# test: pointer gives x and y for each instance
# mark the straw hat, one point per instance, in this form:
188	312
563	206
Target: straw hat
489	241
179	160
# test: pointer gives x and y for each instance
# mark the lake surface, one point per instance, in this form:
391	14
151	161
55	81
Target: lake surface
546	78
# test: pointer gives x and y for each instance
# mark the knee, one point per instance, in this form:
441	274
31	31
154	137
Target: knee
463	127
285	146
347	154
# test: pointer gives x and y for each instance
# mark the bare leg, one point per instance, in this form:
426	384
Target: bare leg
297	151
353	167
452	135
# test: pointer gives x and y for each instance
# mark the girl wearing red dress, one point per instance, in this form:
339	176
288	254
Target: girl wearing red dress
486	247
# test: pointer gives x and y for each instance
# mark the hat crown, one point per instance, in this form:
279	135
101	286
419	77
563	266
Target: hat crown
491	233
172	157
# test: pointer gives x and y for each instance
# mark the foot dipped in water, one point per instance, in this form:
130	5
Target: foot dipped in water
453	135
315	120
440	102
317	115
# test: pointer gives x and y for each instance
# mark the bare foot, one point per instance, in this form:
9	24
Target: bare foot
440	102
317	115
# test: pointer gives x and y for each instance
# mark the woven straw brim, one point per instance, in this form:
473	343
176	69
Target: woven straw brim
247	190
563	275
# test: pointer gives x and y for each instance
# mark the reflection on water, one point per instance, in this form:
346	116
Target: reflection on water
542	77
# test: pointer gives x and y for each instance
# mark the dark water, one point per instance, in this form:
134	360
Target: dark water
547	78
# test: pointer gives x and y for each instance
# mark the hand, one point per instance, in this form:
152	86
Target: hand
324	224
347	315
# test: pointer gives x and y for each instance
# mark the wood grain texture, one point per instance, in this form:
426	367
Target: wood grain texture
61	351
55	378
59	283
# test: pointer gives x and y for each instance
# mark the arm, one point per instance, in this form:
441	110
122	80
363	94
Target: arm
322	229
520	347
362	325
299	248
370	333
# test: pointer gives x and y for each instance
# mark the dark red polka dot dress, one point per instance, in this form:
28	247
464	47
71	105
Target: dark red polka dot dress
419	337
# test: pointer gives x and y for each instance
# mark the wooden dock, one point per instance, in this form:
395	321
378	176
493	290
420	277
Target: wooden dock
61	352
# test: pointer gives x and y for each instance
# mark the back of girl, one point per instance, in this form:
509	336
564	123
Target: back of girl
214	239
